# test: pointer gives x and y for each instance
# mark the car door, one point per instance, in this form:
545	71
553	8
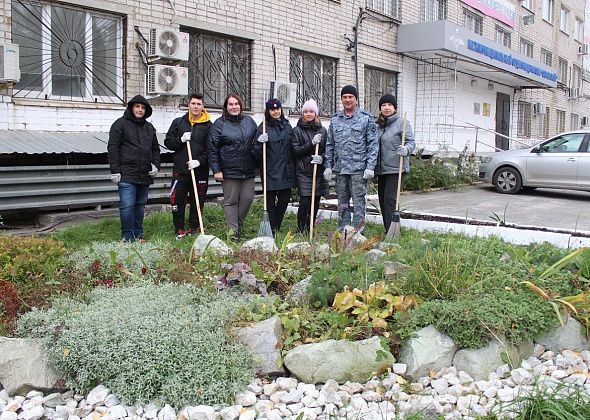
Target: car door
584	166
555	162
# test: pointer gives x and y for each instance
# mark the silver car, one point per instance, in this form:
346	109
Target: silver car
560	162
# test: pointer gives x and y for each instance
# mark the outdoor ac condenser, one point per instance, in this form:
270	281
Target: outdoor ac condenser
167	80
285	92
9	64
166	44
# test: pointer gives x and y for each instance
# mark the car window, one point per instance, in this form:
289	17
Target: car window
567	143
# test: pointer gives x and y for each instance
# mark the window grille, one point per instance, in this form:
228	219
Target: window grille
378	83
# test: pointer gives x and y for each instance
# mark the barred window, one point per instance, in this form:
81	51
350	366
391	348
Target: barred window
559	121
378	83
574	121
385	7
68	53
524	119
503	36
217	66
562	71
473	21
526	47
546	122
546	57
315	76
433	10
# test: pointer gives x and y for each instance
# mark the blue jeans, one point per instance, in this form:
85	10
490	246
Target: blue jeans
132	200
347	187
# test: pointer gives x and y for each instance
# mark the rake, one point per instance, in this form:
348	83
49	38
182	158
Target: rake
197	201
394	231
264	231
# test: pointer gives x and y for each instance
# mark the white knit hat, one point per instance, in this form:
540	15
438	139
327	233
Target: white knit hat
310	105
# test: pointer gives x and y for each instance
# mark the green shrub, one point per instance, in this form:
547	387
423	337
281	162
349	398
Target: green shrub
168	343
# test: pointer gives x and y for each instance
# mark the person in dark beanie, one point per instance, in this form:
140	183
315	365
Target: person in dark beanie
134	159
308	133
390	126
351	153
280	163
192	127
230	144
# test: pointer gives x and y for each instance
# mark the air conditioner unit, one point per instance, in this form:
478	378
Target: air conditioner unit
584	121
583	49
574	93
167	44
167	80
9	67
539	108
285	92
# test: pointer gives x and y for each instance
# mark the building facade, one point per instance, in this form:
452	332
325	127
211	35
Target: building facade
462	70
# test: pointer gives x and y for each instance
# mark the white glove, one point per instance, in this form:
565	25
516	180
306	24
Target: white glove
116	178
186	137
316	139
263	138
316	159
154	171
193	164
403	151
368	174
328	174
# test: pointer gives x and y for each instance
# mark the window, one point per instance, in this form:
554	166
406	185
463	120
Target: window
67	53
568	143
524	119
385	7
526	3
563	17
546	57
473	21
315	76
546	122
548	10
574	121
217	66
433	10
503	36
562	71
576	76
526	47
578	29
559	121
377	84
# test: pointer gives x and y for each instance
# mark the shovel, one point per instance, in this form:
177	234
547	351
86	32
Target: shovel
394	231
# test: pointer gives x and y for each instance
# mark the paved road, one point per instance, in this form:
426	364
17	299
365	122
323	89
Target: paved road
562	209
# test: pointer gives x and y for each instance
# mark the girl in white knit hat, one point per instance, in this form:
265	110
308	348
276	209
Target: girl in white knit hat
308	133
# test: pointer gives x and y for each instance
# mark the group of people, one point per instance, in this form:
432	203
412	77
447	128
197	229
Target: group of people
354	149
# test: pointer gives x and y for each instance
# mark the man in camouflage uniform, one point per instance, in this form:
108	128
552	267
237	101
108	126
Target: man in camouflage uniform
351	153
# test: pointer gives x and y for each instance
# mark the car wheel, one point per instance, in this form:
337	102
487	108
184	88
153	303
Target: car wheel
507	180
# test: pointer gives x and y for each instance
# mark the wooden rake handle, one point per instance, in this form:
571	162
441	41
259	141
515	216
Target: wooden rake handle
401	164
195	192
314	177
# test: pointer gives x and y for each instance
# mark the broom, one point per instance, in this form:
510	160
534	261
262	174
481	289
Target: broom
311	216
190	154
264	231
394	231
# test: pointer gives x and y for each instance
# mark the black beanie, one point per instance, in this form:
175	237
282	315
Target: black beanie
273	104
388	98
350	90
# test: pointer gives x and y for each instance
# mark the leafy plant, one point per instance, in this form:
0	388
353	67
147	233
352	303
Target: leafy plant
374	305
165	343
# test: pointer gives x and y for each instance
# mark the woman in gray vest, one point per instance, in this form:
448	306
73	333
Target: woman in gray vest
389	125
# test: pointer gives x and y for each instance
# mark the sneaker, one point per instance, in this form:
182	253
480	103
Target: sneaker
191	232
180	234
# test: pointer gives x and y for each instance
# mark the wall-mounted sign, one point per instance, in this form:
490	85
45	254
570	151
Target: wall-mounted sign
503	10
486	109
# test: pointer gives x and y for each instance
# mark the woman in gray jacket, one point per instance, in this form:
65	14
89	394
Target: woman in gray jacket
389	124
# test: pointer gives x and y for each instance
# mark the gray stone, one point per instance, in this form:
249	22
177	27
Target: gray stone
341	360
8	415
479	363
374	255
427	350
167	413
23	367
263	244
53	400
393	269
230	413
570	336
298	248
389	247
97	395
263	340
298	292
212	244
202	412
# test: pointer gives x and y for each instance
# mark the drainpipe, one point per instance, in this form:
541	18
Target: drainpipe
356	47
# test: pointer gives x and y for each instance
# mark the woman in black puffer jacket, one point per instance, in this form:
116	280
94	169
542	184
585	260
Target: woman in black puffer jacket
308	133
230	144
280	163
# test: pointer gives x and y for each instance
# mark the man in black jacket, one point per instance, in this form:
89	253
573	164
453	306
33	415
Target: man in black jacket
134	158
194	127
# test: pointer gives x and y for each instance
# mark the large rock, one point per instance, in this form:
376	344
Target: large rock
263	340
340	360
480	362
212	244
23	367
570	336
263	244
298	292
427	350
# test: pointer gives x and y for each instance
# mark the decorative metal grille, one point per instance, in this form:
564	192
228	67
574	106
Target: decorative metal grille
219	66
68	53
315	76
377	84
